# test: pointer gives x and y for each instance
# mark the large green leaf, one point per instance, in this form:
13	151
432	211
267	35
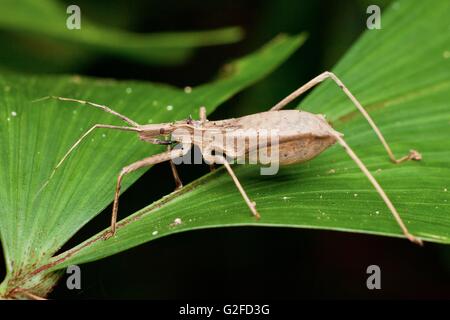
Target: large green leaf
401	74
46	20
34	137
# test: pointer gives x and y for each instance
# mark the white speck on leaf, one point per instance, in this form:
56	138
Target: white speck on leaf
377	212
445	189
128	90
355	195
187	89
169	108
103	135
176	222
154	233
14	113
8	119
331	171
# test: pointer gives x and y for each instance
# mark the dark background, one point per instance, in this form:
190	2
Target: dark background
247	263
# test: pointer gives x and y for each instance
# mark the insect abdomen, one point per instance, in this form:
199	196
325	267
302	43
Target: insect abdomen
304	149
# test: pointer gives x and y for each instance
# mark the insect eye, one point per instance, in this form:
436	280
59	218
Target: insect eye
161	131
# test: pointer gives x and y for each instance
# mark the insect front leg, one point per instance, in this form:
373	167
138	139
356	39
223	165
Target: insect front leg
413	154
158	158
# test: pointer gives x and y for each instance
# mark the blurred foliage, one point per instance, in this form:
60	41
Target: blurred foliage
41	25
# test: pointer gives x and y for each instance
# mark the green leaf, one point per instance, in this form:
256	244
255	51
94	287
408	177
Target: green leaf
35	136
46	20
400	73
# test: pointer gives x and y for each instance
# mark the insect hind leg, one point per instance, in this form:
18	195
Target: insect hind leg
413	154
379	189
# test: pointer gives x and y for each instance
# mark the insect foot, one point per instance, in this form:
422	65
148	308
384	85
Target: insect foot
415	155
108	234
254	211
414	239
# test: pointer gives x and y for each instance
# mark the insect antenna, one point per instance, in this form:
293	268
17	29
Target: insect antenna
92	104
97	126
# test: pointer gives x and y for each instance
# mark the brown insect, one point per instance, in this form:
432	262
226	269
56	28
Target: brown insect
301	137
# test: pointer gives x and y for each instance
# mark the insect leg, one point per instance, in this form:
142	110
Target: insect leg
97	126
146	162
203	119
104	108
379	189
294	95
413	154
176	176
250	204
